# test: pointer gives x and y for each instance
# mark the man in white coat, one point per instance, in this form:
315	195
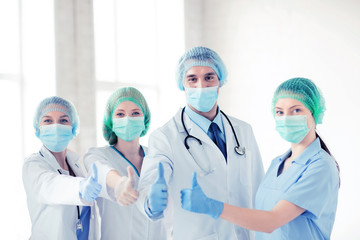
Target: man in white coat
201	138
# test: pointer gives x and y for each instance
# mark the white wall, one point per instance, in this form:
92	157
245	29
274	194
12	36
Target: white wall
266	42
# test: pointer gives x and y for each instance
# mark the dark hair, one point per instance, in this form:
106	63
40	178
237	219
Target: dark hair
326	149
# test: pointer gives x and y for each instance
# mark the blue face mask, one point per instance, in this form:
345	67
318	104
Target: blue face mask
202	99
56	137
292	128
128	128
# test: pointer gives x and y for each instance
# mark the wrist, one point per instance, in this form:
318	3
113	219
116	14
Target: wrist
216	208
149	213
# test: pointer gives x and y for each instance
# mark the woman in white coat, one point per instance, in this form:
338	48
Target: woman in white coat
200	138
126	119
58	195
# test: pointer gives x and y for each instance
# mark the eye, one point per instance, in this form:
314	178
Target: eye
279	113
120	114
191	79
136	113
64	120
47	121
297	110
209	78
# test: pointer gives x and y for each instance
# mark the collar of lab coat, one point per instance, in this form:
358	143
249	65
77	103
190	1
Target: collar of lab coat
196	131
203	122
192	128
72	158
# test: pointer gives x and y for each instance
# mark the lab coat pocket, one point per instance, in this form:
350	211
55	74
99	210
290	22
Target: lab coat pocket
213	236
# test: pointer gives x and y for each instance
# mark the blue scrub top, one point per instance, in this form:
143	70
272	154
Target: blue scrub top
312	183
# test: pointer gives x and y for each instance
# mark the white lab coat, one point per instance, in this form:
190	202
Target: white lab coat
234	182
52	197
120	222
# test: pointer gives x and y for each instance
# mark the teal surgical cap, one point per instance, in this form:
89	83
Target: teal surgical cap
52	104
306	92
121	95
200	56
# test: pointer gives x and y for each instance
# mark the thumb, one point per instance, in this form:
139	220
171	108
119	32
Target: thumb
194	180
94	172
160	173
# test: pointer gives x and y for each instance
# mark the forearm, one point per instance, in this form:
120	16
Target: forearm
112	178
259	220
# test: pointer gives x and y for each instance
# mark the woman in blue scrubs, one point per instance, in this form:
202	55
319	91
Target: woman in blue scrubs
297	198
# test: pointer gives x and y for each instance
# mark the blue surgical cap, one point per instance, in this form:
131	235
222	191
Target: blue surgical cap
200	56
52	104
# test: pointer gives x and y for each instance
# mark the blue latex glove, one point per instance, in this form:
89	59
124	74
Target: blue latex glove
158	194
89	187
194	200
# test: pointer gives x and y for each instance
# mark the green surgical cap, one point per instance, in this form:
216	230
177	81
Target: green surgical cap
200	56
121	95
59	104
306	92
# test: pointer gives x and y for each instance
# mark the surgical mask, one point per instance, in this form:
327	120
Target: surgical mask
56	137
202	99
128	128
292	128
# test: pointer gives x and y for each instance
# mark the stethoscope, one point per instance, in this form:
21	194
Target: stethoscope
238	149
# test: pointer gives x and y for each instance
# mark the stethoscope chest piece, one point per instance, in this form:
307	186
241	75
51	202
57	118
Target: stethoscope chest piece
240	150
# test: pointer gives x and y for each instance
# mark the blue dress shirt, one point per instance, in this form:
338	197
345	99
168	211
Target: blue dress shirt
204	123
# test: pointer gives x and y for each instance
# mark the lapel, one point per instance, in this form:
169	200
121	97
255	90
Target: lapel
194	129
73	161
72	158
229	135
49	158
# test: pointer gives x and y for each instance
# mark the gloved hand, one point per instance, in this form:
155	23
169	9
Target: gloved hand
158	194
89	187
124	189
194	200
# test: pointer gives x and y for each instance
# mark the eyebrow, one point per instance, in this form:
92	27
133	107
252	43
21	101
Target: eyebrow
289	107
295	106
64	116
206	74
191	75
210	73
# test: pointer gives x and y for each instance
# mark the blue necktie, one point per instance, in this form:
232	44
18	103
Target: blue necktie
83	233
214	128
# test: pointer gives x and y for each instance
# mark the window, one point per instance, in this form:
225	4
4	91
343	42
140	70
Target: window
139	47
26	76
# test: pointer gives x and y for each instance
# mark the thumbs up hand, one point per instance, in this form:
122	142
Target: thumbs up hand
158	194
195	200
89	187
125	191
